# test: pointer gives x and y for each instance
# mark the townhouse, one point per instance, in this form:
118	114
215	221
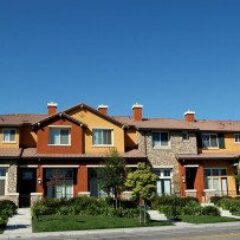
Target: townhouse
58	154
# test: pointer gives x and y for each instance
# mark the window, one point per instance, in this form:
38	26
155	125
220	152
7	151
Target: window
9	135
237	138
164	181
210	140
59	136
102	137
216	178
3	172
185	136
160	139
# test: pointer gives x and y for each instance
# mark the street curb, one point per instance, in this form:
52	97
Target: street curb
69	234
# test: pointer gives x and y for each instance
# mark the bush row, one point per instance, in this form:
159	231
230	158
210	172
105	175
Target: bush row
84	206
228	203
174	207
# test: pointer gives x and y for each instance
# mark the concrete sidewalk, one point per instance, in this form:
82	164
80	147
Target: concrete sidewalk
110	233
21	223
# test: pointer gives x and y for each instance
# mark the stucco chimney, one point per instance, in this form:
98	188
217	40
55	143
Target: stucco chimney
137	112
189	116
52	108
103	109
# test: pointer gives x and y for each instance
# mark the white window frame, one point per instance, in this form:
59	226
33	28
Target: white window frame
237	135
162	177
212	177
187	134
160	146
210	134
60	128
15	135
103	145
6	181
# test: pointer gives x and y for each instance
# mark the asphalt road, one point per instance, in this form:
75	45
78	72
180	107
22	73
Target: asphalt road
207	232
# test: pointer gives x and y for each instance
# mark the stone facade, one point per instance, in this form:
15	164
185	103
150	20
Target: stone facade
12	178
166	157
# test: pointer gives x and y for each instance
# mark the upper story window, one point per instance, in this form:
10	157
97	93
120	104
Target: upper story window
59	136
3	173
102	137
9	135
237	137
185	136
160	139
210	140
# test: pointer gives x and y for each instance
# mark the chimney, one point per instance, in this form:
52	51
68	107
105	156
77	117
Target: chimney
52	108
103	109
137	112
189	116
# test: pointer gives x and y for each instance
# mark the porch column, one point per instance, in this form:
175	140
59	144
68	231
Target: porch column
199	182
39	182
82	180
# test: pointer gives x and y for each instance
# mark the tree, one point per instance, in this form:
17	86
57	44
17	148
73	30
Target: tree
113	174
142	183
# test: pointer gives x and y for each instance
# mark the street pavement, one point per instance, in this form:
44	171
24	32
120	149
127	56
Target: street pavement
228	231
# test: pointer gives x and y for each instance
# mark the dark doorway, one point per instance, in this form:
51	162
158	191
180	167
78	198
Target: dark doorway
27	185
190	177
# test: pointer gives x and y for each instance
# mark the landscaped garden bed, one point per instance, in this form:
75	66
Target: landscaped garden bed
7	209
87	213
188	210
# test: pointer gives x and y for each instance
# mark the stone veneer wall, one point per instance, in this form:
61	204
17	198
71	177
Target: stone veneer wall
11	181
166	157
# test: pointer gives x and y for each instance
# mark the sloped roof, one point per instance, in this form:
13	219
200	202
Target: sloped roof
157	123
10	152
58	115
20	119
32	153
217	125
208	156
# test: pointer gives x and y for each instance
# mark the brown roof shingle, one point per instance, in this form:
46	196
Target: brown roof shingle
10	152
20	119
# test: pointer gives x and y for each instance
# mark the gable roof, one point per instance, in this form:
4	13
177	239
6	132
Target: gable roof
56	116
104	116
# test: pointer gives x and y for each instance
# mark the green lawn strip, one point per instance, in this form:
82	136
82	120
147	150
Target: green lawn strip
3	224
54	223
207	219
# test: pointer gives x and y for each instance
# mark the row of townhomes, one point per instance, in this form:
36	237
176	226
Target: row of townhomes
191	157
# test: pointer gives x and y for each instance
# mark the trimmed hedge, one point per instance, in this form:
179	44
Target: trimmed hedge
174	207
84	206
231	204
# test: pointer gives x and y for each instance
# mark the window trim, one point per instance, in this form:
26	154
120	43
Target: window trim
59	144
209	147
236	134
160	146
15	136
6	181
103	145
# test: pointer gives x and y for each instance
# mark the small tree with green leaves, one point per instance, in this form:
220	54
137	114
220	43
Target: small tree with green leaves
142	183
113	174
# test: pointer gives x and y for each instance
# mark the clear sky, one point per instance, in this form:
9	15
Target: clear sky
168	55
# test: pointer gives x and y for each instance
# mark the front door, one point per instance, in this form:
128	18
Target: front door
224	186
27	185
190	177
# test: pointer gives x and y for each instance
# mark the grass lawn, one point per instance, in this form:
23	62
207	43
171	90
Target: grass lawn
206	219
67	223
2	225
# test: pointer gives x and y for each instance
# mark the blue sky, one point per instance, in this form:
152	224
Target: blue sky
170	56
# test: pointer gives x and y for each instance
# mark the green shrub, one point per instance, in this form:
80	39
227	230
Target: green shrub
7	208
171	212
210	211
191	208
